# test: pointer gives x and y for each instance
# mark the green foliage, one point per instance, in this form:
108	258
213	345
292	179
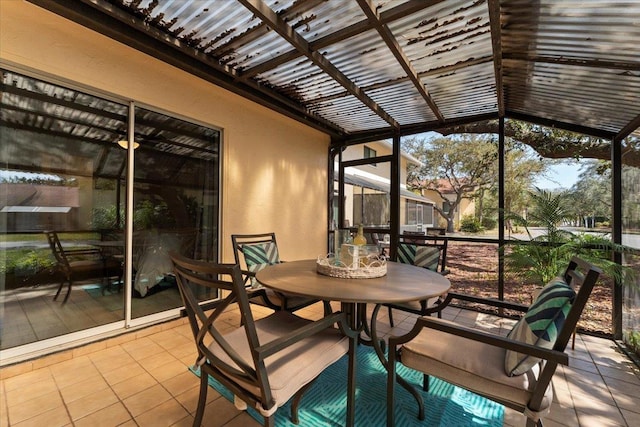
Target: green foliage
107	218
26	261
148	214
470	224
546	255
489	223
632	338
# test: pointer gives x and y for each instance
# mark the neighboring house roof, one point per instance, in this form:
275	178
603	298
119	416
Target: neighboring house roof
38	198
380	184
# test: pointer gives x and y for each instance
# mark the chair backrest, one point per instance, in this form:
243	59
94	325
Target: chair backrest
253	252
199	278
56	249
582	277
424	250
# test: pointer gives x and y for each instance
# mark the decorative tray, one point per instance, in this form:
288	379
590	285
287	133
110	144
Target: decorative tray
368	268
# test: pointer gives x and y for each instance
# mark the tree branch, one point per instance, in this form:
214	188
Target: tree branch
552	143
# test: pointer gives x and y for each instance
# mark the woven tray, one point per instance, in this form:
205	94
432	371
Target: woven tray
329	266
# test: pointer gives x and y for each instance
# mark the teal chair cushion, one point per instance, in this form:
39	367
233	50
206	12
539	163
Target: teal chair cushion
259	255
540	324
421	256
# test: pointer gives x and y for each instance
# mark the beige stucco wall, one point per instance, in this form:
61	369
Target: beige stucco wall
274	168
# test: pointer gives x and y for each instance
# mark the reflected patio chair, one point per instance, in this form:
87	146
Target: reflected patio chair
253	252
515	370
81	264
265	362
428	251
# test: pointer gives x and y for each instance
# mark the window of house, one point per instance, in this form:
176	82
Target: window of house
370	153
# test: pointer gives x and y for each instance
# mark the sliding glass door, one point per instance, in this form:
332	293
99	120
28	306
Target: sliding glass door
63	185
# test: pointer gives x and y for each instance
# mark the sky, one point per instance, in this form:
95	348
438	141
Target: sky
559	176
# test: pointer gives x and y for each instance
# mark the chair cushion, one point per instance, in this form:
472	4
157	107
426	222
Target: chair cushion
472	365
289	369
259	255
540	325
422	256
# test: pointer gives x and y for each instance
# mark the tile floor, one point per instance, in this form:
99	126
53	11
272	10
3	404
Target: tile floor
141	379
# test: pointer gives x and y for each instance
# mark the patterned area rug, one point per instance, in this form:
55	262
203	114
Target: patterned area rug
324	403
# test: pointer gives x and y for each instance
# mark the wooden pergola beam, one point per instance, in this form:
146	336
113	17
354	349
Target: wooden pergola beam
265	13
393	45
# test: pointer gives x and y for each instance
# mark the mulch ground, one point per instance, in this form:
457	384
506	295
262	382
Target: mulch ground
474	270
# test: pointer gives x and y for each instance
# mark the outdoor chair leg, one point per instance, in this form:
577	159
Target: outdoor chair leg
202	398
390	317
59	289
295	404
66	297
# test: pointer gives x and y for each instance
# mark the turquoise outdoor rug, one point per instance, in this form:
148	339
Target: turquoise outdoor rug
324	403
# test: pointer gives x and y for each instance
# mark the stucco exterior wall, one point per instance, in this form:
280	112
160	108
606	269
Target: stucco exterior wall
274	168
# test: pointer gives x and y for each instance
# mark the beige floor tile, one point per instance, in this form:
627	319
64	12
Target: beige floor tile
27	378
185	422
56	417
181	383
618	387
631	417
134	385
562	414
189	399
107	354
84	388
72	375
165	414
612	420
34	407
220	412
630	403
30	391
157	359
626	373
4	413
123	373
169	370
105	365
142	352
146	400
113	415
91	403
242	420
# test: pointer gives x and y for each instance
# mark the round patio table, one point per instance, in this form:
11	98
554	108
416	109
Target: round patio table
402	283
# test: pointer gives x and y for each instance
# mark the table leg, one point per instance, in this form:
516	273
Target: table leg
380	351
350	310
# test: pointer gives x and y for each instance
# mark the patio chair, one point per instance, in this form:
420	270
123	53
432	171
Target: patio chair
253	252
264	362
515	370
428	251
81	264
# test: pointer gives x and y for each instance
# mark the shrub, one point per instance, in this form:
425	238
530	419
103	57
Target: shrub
470	224
489	223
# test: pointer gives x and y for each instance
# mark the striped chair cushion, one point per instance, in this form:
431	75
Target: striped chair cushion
540	325
422	256
259	255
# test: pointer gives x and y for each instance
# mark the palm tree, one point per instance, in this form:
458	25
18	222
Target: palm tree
545	256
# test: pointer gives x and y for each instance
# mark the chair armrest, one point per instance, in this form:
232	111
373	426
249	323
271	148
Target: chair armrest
492	302
476	335
280	343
